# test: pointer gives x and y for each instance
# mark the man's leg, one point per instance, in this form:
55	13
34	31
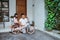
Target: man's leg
23	29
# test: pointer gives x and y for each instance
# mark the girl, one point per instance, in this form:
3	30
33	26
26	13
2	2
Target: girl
16	24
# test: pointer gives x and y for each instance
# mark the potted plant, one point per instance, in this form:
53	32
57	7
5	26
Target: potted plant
11	19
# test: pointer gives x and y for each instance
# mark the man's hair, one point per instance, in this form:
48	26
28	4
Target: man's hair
22	14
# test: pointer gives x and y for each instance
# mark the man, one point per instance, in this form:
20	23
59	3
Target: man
23	21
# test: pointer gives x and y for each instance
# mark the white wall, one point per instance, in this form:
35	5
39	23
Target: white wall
39	14
12	10
36	13
30	9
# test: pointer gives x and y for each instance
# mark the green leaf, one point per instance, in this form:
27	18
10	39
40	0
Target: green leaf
49	3
59	9
53	7
56	0
59	4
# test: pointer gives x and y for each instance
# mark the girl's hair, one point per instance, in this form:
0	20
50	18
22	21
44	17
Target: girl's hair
15	14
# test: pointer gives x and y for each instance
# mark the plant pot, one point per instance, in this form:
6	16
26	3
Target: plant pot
49	29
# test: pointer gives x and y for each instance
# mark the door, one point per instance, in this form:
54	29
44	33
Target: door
21	7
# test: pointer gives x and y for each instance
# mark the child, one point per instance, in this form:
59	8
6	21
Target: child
16	24
23	23
15	18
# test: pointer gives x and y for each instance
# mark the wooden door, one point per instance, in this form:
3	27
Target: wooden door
21	7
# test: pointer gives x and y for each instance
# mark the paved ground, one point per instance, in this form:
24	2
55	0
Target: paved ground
38	35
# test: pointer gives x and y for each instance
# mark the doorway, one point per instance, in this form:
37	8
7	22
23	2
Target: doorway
21	7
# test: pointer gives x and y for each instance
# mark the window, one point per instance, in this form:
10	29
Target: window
4	10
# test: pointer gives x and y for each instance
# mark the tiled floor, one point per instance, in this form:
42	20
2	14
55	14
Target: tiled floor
38	35
53	33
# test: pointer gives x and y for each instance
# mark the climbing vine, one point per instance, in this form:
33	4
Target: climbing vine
53	16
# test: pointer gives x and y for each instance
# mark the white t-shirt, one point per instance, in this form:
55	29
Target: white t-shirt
23	21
